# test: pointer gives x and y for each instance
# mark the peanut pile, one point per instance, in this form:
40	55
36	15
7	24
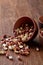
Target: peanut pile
24	33
17	43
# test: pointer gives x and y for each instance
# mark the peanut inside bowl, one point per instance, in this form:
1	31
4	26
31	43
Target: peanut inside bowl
25	29
41	33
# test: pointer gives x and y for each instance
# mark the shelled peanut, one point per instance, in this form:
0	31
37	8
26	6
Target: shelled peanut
25	32
16	45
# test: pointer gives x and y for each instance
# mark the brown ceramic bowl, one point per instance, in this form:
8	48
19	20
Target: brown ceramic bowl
28	20
41	37
41	21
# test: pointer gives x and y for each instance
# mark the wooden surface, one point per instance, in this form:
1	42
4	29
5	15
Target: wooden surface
10	11
35	58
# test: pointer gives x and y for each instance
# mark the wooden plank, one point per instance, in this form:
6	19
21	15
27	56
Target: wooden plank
10	11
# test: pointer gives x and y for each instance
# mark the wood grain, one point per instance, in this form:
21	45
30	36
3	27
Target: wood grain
35	58
10	11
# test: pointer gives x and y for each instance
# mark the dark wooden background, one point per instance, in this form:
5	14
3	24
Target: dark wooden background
10	11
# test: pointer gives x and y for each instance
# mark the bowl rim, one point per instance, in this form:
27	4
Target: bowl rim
40	20
34	23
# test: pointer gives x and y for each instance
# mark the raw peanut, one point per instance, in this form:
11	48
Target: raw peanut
23	31
19	39
28	37
26	24
17	29
7	55
21	50
17	48
7	43
17	52
4	45
27	29
24	38
20	43
27	53
21	36
2	52
5	48
10	58
31	30
13	46
20	31
21	28
15	40
27	47
11	43
30	34
37	49
10	47
19	58
20	46
7	39
28	50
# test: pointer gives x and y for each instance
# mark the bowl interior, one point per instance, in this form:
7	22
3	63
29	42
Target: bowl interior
30	23
23	20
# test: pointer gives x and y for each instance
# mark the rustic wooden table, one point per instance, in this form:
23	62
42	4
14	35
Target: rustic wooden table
10	11
35	58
